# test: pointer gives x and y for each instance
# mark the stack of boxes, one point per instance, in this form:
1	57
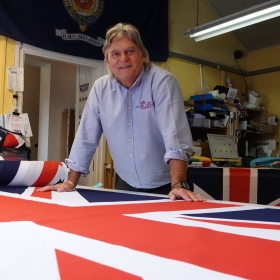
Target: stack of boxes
206	108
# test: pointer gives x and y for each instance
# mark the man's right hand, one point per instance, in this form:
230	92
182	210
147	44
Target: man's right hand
62	187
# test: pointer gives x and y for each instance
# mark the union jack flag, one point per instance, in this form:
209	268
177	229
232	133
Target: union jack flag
107	234
248	185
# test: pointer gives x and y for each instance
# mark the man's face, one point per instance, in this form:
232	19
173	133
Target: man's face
125	61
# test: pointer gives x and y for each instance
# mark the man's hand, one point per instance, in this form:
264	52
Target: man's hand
63	187
177	193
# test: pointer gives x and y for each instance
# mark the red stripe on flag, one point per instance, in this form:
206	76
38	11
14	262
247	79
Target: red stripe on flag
219	251
239	182
48	172
47	195
74	267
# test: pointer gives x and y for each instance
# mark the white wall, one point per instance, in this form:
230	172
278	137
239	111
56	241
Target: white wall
62	95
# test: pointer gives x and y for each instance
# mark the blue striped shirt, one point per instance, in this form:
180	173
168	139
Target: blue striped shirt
145	126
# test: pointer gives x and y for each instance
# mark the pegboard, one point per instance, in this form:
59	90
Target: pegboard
222	146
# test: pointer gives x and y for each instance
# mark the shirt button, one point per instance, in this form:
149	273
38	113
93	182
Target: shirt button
128	108
132	170
130	155
136	184
128	123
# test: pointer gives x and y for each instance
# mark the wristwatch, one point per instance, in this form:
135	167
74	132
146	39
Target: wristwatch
183	185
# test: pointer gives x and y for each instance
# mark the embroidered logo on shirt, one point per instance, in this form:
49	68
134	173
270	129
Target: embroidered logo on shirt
145	105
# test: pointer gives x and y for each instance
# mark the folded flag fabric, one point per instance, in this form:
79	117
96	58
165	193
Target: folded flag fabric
200	161
199	158
9	139
32	173
264	162
117	235
246	185
13	141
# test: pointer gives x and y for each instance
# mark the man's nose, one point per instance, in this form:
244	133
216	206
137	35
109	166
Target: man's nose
124	55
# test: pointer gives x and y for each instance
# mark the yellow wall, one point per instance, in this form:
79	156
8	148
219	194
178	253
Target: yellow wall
220	49
268	85
264	58
188	75
7	59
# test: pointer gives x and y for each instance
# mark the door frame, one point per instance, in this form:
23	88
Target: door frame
99	70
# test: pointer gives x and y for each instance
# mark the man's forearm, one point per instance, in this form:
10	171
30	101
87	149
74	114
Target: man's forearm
74	176
178	171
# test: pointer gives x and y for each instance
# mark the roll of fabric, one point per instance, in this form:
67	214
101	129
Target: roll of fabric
32	173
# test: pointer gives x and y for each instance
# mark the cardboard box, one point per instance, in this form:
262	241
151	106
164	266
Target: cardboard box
198	122
205	150
263	117
266	128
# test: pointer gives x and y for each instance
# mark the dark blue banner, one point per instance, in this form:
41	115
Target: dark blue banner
78	27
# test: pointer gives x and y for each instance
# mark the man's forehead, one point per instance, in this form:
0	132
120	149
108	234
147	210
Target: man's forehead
114	49
122	43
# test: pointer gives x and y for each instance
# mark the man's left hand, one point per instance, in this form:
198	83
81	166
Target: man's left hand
181	193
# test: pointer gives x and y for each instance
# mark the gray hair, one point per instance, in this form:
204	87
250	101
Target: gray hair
131	32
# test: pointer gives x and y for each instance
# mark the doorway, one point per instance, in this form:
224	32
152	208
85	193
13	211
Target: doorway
51	85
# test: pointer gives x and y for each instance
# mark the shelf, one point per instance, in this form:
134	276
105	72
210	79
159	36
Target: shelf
255	132
209	107
254	110
208	97
208	128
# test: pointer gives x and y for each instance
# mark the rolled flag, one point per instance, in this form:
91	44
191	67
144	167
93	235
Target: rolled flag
13	141
32	173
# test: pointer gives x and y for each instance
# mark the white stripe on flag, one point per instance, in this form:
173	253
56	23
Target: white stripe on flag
253	185
226	184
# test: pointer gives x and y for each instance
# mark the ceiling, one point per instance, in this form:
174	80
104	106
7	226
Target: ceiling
255	37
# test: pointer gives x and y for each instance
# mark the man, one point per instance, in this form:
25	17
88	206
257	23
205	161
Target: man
139	108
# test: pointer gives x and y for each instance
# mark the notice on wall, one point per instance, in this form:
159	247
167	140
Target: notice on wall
15	79
85	84
231	94
19	124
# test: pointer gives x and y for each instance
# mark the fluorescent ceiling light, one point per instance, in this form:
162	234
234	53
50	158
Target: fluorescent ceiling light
252	15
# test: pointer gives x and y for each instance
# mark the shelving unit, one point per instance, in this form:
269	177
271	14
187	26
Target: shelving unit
256	138
205	104
200	133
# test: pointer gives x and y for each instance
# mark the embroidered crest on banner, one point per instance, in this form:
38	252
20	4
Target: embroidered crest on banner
85	12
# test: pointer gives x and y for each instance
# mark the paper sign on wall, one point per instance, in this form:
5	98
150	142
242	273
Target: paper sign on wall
231	94
19	124
15	79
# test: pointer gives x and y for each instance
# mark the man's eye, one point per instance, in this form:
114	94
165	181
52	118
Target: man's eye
130	51
114	54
